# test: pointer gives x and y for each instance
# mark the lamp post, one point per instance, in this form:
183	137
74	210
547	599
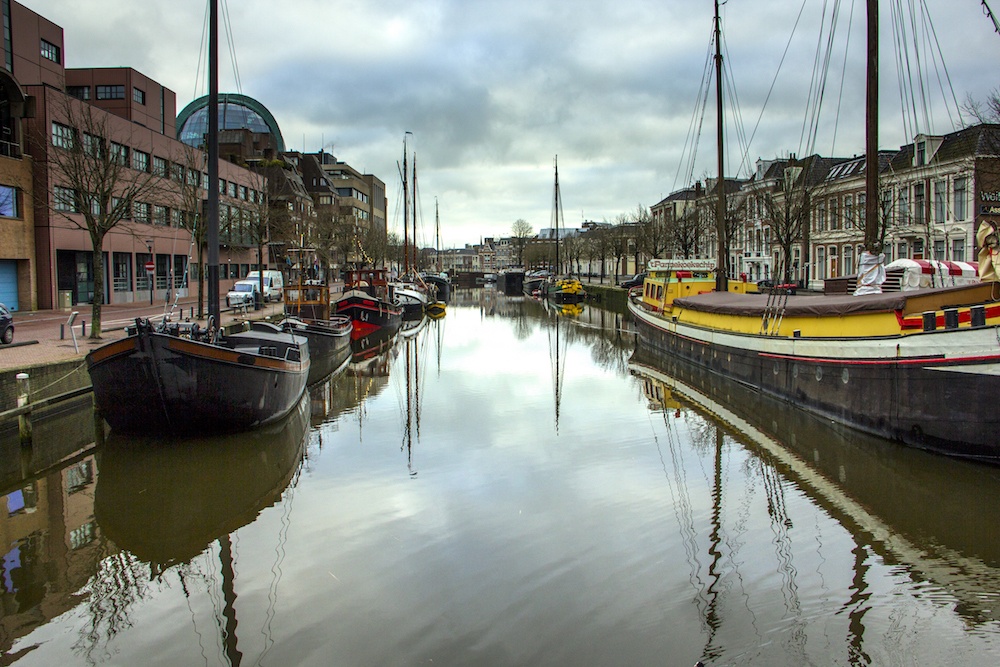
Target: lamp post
150	274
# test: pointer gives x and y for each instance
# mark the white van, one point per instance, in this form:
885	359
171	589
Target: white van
274	284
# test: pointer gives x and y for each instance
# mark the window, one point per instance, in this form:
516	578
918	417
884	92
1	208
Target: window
50	51
958	250
848	211
887	207
140	160
232	189
918	248
834	214
140	212
862	210
161	215
177	218
848	260
65	199
177	172
138	96
111	92
243	192
821	217
961	207
921	153
904	206
161	167
918	203
62	136
79	92
193	177
92	145
939	249
940	200
901	250
222	186
10	201
119	153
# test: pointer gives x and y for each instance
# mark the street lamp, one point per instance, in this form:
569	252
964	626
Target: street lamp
150	274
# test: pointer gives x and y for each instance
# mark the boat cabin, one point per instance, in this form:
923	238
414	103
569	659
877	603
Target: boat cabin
671	279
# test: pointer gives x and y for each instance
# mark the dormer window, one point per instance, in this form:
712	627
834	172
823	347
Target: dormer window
921	153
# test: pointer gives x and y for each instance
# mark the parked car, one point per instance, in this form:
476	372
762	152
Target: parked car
634	281
6	325
244	292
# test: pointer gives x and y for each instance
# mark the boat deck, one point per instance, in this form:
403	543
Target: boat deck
821	305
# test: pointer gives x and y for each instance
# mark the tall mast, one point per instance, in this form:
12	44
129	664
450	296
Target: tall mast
437	236
213	164
722	276
557	207
406	212
413	198
873	241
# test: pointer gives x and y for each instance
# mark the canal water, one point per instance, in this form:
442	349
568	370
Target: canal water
507	485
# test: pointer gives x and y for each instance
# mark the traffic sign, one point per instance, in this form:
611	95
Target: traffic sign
150	267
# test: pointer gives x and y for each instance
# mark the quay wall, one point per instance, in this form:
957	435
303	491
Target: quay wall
46	380
609	297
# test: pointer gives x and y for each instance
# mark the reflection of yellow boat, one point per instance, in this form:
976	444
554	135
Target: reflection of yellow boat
166	500
435	310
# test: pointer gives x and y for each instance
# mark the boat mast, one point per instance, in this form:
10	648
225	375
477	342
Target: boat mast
214	313
556	211
722	274
413	199
873	241
406	211
437	236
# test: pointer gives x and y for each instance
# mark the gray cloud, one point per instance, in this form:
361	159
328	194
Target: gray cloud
494	90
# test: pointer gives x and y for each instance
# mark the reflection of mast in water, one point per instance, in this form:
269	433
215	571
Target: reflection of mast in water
411	352
557	351
229	595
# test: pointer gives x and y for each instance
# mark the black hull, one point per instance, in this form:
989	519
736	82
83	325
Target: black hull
933	403
368	314
329	345
155	382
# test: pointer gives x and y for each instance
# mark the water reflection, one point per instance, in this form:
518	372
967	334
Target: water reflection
165	501
931	516
671	518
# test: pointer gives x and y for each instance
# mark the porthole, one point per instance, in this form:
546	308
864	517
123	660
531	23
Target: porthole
819	373
775	370
845	376
795	370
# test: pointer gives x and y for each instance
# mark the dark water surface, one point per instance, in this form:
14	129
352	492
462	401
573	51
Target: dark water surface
504	486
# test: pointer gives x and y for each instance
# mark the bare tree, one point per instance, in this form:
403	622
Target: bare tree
652	238
521	231
618	238
94	184
190	195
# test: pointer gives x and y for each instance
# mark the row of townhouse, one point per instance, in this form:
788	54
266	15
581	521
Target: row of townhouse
932	193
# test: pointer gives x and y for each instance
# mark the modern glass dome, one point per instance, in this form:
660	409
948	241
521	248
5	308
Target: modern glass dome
236	112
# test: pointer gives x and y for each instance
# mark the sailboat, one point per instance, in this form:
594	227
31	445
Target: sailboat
920	367
410	291
307	314
439	281
561	289
180	378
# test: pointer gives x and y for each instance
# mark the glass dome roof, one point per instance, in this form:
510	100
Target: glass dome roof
235	112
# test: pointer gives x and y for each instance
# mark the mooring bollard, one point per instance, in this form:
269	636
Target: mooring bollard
24	420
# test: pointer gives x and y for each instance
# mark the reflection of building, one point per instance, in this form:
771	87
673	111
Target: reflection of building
49	537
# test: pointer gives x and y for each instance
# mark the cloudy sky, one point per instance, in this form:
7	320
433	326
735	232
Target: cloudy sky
492	90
